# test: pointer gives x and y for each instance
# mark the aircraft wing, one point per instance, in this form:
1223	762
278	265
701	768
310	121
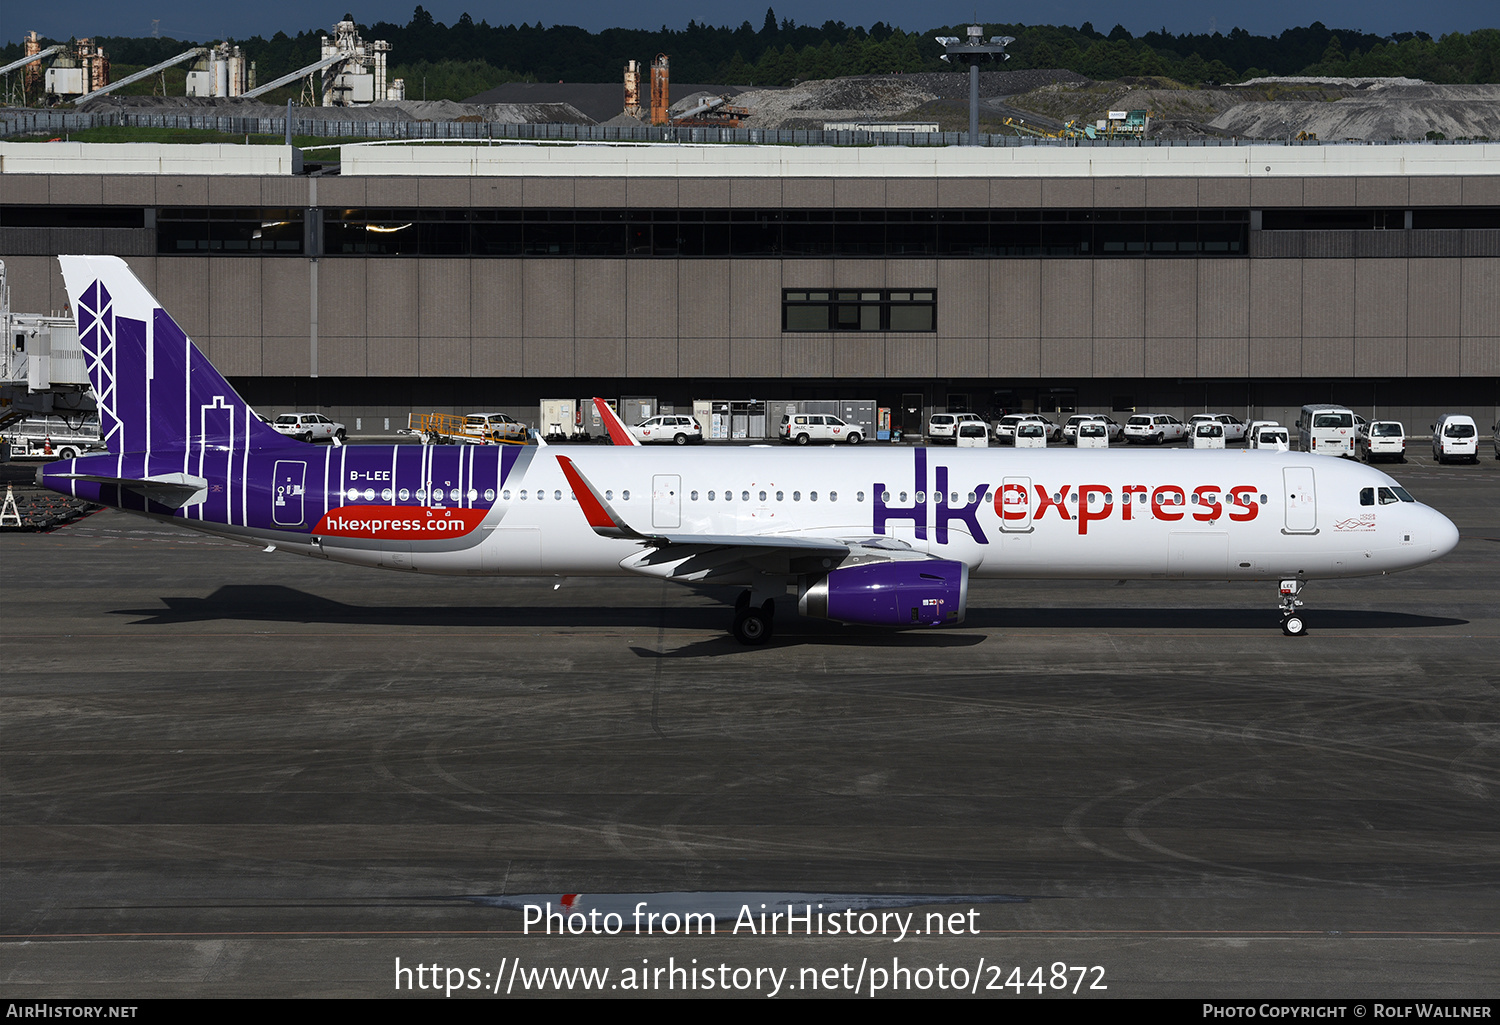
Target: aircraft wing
696	557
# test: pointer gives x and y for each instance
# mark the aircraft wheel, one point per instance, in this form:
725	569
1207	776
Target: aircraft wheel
803	439
751	626
1293	626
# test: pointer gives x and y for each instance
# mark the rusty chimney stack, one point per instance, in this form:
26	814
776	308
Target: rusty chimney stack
659	100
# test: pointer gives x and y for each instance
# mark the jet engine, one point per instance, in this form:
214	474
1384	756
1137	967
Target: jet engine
919	592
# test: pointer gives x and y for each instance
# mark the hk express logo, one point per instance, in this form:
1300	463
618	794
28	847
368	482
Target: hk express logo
1080	504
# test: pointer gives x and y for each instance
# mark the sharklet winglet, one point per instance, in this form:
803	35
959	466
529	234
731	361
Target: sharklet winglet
618	433
601	517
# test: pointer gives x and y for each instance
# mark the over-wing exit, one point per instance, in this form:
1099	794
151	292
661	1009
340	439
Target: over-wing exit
885	537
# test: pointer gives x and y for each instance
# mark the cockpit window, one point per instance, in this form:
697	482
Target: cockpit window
1402	494
1388	497
1367	496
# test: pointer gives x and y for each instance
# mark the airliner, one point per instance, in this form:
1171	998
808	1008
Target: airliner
877	536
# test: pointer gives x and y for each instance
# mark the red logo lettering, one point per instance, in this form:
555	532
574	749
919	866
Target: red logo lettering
1047	502
1087	515
399	523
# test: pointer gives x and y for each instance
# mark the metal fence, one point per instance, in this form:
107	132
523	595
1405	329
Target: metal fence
58	123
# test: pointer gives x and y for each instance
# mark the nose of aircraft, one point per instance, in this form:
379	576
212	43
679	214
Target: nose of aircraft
1441	535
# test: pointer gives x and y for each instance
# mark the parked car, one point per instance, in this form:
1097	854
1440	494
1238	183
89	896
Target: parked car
1455	436
1270	435
1005	427
678	430
1208	434
1092	434
1381	439
1031	434
1327	429
1154	428
1070	429
973	434
1234	428
308	427
944	426
806	428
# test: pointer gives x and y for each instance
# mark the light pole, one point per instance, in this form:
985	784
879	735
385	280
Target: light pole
974	51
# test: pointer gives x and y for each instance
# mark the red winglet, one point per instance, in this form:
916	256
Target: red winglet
617	430
599	515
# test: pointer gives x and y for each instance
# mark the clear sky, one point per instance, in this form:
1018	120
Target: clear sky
199	21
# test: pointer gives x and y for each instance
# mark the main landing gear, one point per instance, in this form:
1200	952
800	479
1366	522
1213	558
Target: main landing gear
752	625
1292	623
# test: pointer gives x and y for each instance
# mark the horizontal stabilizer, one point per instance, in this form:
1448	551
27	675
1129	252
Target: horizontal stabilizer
170	489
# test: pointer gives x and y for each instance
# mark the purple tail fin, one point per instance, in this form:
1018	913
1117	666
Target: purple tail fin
156	391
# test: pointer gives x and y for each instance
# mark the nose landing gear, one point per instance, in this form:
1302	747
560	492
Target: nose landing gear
1292	623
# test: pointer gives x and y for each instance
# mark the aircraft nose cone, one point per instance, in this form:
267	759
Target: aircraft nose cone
1443	535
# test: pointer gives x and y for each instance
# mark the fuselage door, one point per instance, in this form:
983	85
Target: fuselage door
1301	500
286	490
1016	505
666	500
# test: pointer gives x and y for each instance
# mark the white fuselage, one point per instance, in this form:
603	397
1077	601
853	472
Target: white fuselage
1083	514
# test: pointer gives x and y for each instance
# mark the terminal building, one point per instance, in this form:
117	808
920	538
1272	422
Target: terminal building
1247	279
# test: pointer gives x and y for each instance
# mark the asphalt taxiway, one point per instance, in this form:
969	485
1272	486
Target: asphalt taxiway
226	772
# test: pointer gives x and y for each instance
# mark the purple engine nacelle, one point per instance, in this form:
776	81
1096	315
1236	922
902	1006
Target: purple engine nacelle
929	592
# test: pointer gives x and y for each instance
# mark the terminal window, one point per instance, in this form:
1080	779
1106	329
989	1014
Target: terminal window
873	309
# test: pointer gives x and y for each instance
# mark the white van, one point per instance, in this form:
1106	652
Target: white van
1455	436
1092	434
1382	439
1031	434
1327	430
973	434
1270	435
1208	434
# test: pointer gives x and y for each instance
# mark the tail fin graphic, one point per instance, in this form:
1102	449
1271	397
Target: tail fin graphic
618	432
156	391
